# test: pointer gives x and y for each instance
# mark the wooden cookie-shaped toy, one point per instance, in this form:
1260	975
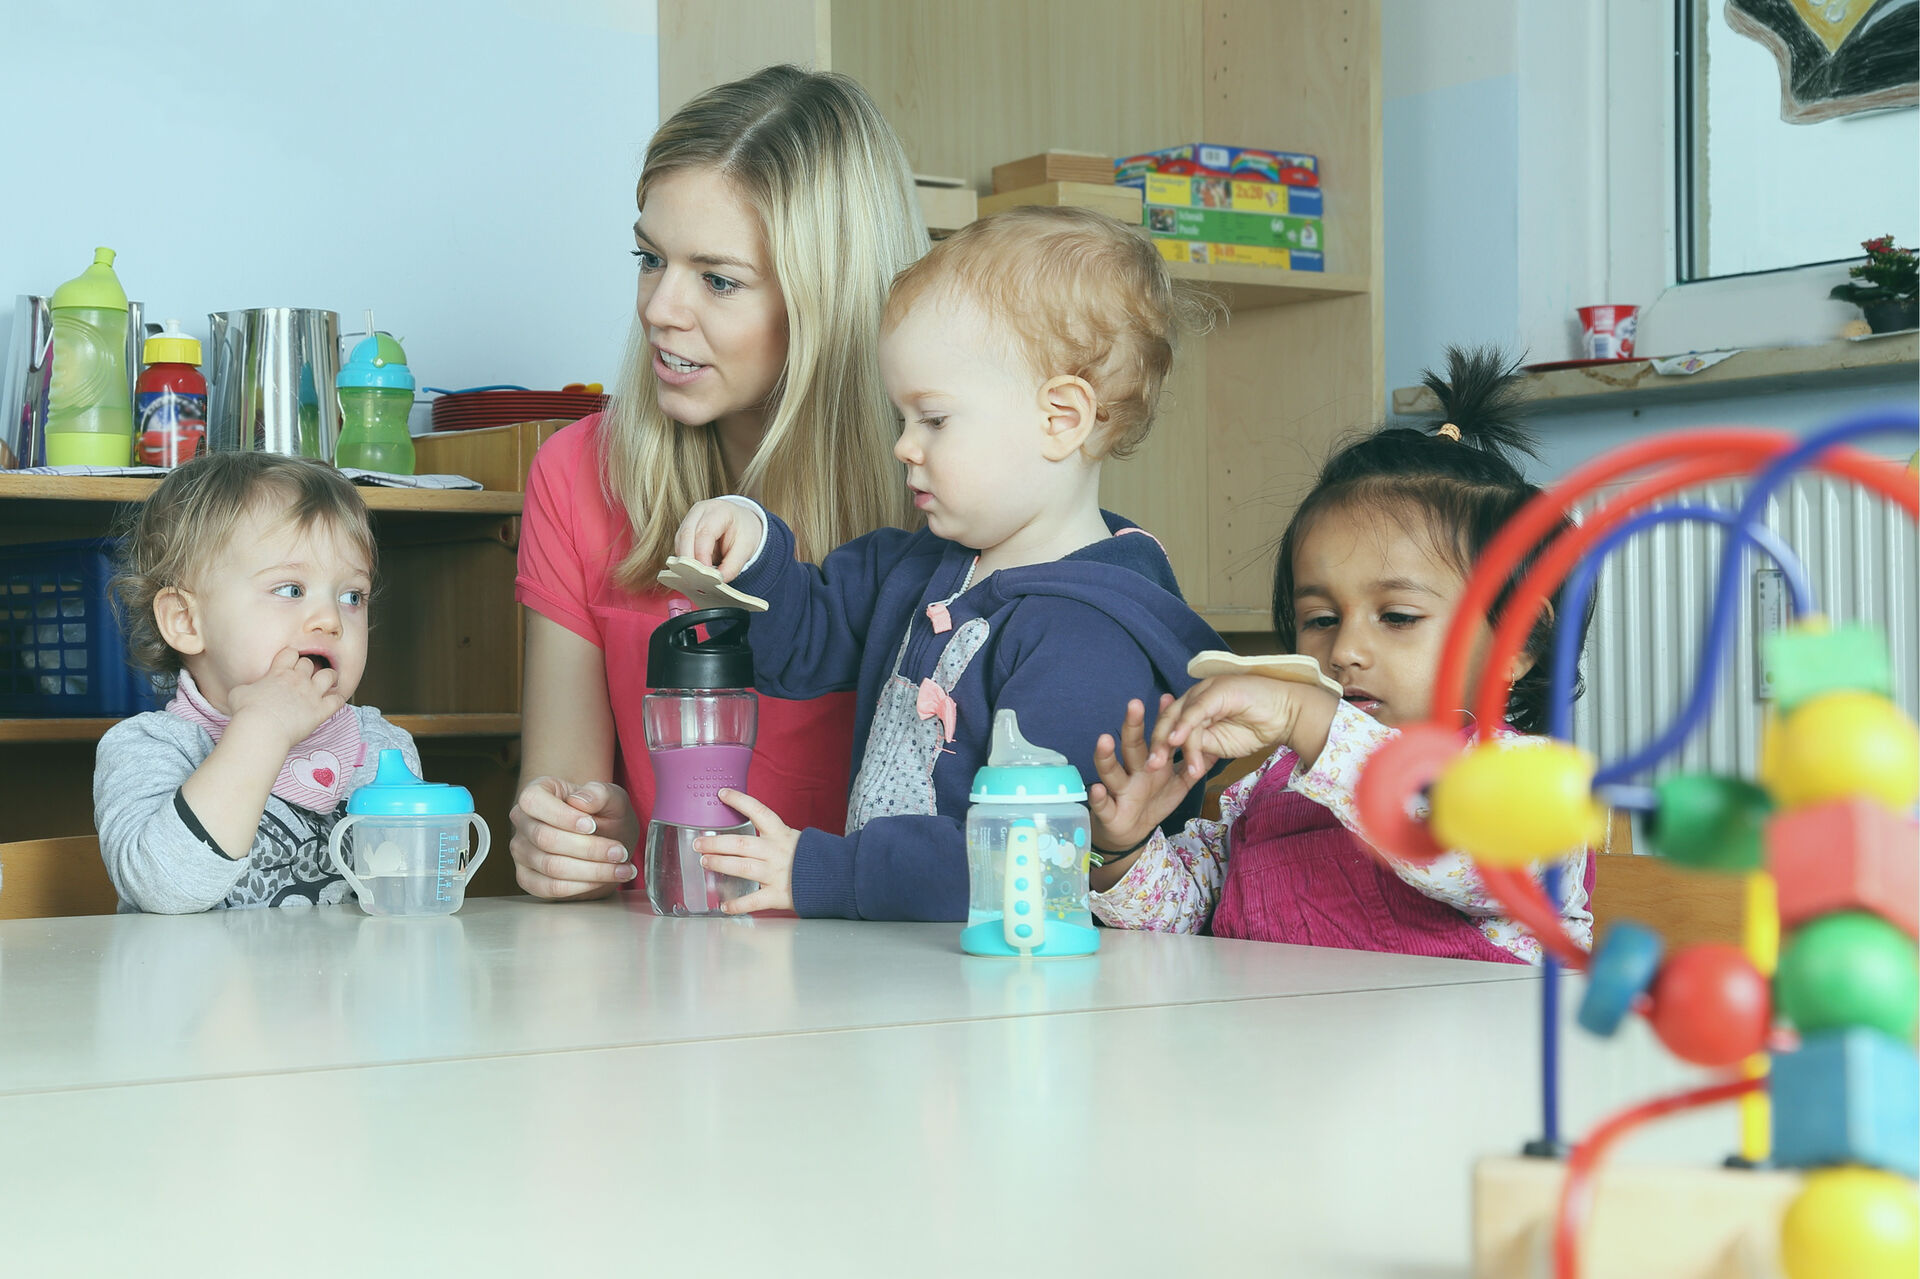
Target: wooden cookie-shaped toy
1295	668
703	588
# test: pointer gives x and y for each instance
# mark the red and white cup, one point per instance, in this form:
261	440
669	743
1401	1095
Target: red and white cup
1606	332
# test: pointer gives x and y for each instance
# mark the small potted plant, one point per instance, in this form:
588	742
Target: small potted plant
1886	287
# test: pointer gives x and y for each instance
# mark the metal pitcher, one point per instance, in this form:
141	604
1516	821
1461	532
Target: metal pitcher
270	375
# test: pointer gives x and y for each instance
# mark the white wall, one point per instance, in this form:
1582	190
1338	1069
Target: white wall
464	167
1521	159
1450	154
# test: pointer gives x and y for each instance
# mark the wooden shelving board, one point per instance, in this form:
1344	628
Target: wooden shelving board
482	724
27	499
461	724
1632	383
1253	288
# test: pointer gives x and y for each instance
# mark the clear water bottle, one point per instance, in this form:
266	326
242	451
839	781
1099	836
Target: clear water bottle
376	394
700	721
1028	847
90	409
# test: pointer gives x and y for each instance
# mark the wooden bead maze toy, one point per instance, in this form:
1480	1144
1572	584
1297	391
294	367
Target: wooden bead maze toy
1811	1031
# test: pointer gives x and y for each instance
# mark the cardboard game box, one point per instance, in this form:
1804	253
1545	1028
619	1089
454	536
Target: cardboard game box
1240	255
1223	226
1206	159
1170	189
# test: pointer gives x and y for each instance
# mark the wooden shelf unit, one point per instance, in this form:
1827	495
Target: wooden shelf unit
1252	408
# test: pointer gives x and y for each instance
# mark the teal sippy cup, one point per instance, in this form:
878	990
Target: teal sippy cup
376	394
411	853
1028	841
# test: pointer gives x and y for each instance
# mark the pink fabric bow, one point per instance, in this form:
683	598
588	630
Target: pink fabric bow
933	703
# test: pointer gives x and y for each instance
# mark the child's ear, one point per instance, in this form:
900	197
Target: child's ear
1523	661
174	613
1072	411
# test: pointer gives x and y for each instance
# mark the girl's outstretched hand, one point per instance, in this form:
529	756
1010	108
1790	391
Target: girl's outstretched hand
1233	715
1138	787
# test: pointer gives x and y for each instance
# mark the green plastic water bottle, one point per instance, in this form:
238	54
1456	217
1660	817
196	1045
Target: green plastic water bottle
376	393
90	409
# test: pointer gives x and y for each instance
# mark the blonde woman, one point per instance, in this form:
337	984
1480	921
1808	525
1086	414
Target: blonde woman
774	211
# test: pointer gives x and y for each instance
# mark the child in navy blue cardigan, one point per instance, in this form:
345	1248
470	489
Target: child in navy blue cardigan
1020	352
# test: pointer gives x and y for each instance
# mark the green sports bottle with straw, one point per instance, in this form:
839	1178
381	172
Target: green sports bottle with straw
376	393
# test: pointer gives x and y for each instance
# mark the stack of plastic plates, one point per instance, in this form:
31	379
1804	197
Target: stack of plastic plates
468	410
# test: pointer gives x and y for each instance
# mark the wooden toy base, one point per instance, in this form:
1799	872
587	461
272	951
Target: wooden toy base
1677	1223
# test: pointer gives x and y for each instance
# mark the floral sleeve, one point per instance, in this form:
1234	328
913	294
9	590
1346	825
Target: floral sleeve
1449	878
1174	883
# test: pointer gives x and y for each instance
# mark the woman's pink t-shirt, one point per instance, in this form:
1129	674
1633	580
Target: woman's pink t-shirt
571	537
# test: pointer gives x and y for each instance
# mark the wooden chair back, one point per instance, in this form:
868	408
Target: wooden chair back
43	878
1683	905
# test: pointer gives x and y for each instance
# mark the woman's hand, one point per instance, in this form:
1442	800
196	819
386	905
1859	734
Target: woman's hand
572	842
766	858
1138	788
1233	715
720	534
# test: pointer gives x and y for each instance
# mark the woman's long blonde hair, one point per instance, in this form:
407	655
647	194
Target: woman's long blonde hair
811	154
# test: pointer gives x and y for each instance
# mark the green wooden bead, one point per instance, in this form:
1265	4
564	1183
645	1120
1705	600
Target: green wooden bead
1715	823
1806	663
1850	968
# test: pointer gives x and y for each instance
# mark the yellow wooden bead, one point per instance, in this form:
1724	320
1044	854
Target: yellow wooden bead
1509	803
1852	1223
1845	744
1768	774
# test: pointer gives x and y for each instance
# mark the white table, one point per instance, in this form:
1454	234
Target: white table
528	1088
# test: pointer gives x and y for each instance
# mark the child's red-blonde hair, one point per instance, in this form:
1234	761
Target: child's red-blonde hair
1081	295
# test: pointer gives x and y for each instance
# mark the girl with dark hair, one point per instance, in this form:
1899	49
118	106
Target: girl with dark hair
1369	573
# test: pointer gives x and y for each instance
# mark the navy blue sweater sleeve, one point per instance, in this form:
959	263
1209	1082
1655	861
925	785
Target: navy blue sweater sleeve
907	867
810	639
1067	670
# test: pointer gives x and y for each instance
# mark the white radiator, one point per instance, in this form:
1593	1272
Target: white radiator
1861	559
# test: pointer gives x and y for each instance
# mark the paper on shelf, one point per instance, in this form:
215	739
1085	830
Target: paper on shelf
1690	363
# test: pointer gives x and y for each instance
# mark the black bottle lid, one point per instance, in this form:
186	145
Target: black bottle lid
678	658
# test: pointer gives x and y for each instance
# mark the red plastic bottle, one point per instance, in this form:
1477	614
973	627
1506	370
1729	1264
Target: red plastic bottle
170	400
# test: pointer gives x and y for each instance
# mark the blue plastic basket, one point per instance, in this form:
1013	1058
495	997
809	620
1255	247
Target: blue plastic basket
61	651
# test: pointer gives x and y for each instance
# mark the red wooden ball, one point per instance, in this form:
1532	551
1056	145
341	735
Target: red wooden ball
1710	1006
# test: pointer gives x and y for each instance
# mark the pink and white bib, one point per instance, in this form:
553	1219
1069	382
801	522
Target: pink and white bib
318	773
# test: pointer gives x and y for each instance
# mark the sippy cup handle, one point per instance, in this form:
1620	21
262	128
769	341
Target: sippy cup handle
480	849
339	862
1023	918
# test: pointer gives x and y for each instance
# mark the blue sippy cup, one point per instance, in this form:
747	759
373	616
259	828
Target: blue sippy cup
1028	840
411	853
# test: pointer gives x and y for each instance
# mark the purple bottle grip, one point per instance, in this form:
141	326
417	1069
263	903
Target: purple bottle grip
686	780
